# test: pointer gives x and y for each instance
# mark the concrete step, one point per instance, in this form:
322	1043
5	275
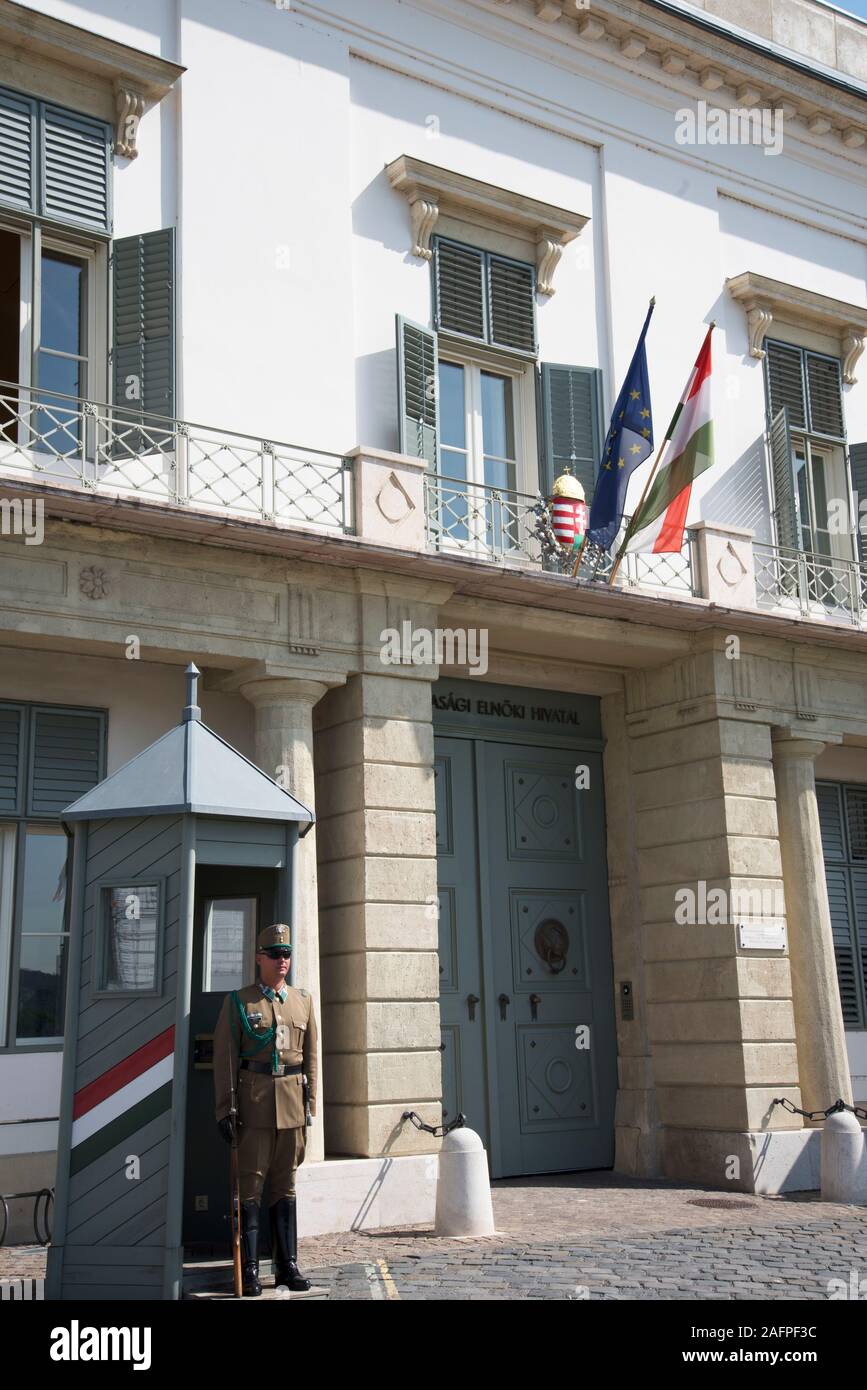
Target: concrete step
211	1280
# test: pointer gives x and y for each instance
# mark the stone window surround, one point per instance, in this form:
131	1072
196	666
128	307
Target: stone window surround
765	300
431	189
56	61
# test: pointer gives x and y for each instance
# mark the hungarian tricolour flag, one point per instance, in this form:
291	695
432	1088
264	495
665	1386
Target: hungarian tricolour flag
659	523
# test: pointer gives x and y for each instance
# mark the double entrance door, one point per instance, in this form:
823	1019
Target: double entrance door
526	1003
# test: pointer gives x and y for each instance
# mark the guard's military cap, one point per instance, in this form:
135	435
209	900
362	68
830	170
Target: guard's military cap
277	935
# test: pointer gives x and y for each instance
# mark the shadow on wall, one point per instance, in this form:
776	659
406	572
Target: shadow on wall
376	384
740	497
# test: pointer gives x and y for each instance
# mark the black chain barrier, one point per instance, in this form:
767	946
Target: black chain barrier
858	1110
439	1131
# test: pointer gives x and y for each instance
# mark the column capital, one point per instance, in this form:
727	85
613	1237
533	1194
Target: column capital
786	744
282	690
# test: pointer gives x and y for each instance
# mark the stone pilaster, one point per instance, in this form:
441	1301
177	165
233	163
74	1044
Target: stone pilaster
635	1119
378	920
822	1057
720	1020
284	749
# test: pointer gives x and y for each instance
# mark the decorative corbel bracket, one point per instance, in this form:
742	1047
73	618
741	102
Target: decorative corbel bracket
130	109
423	213
852	344
432	191
765	300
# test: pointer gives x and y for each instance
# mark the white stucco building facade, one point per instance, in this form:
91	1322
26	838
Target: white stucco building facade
288	222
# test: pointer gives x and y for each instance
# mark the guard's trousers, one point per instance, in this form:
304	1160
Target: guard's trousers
269	1153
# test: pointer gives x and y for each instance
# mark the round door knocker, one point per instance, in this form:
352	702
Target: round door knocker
552	944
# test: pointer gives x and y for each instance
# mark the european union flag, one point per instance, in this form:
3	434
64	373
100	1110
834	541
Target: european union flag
628	443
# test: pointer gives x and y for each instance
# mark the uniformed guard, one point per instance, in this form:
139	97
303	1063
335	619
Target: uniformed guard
265	1052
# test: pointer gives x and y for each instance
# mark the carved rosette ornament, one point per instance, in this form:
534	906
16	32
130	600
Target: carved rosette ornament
93	583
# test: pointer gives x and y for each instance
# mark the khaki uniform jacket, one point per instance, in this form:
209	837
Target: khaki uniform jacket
266	1102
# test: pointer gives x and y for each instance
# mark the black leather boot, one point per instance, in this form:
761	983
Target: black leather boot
250	1285
284	1242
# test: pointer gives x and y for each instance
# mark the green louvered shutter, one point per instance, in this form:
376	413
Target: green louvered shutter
858	474
65	758
143	320
825	395
843	933
76	160
460	301
18	118
571	423
786	506
417	391
512	300
11	759
785	383
831	819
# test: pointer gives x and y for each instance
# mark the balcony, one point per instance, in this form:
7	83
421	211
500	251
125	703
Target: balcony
389	500
115	452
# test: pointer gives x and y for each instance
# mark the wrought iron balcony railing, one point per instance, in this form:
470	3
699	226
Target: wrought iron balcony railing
495	523
106	448
811	585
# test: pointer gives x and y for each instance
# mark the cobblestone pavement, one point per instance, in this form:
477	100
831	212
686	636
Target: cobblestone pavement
595	1236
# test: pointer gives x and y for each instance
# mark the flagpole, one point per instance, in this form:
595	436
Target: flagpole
637	512
650	308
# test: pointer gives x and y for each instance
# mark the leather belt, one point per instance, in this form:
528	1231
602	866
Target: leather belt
285	1069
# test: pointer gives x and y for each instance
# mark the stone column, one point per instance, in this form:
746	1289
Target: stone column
284	749
822	1061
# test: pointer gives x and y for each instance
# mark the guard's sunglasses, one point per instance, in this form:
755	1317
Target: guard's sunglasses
278	952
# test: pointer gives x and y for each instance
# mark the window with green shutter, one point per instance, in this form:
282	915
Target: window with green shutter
484	296
843	822
49	756
571	400
807	446
54	163
143	319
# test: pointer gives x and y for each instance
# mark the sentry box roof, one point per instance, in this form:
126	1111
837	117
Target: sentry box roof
193	771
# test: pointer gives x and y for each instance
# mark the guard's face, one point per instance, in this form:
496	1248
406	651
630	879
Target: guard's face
273	965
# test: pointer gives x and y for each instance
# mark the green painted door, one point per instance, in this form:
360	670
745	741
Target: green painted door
551	1017
461	1018
524	930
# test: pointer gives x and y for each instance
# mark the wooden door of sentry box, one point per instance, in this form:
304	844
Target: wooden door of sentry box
232	905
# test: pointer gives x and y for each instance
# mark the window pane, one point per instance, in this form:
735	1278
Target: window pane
453	416
41	987
498	435
57	423
43	892
131	938
230	930
62	292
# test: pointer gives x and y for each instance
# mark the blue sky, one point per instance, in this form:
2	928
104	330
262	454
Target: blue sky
858	7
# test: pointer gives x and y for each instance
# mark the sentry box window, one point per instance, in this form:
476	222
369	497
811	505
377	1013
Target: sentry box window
130	950
231	925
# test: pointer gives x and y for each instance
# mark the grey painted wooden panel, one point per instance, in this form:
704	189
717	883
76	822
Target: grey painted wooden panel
112	1182
162	831
240	831
102	834
128	1217
150	1220
244	855
122	1035
107	1256
103	1293
148	1136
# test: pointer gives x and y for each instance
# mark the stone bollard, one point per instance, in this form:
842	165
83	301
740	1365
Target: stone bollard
844	1160
463	1187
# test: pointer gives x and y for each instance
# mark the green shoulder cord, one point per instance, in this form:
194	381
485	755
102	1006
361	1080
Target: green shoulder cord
254	1037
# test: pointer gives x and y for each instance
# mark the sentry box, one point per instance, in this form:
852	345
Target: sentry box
178	859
